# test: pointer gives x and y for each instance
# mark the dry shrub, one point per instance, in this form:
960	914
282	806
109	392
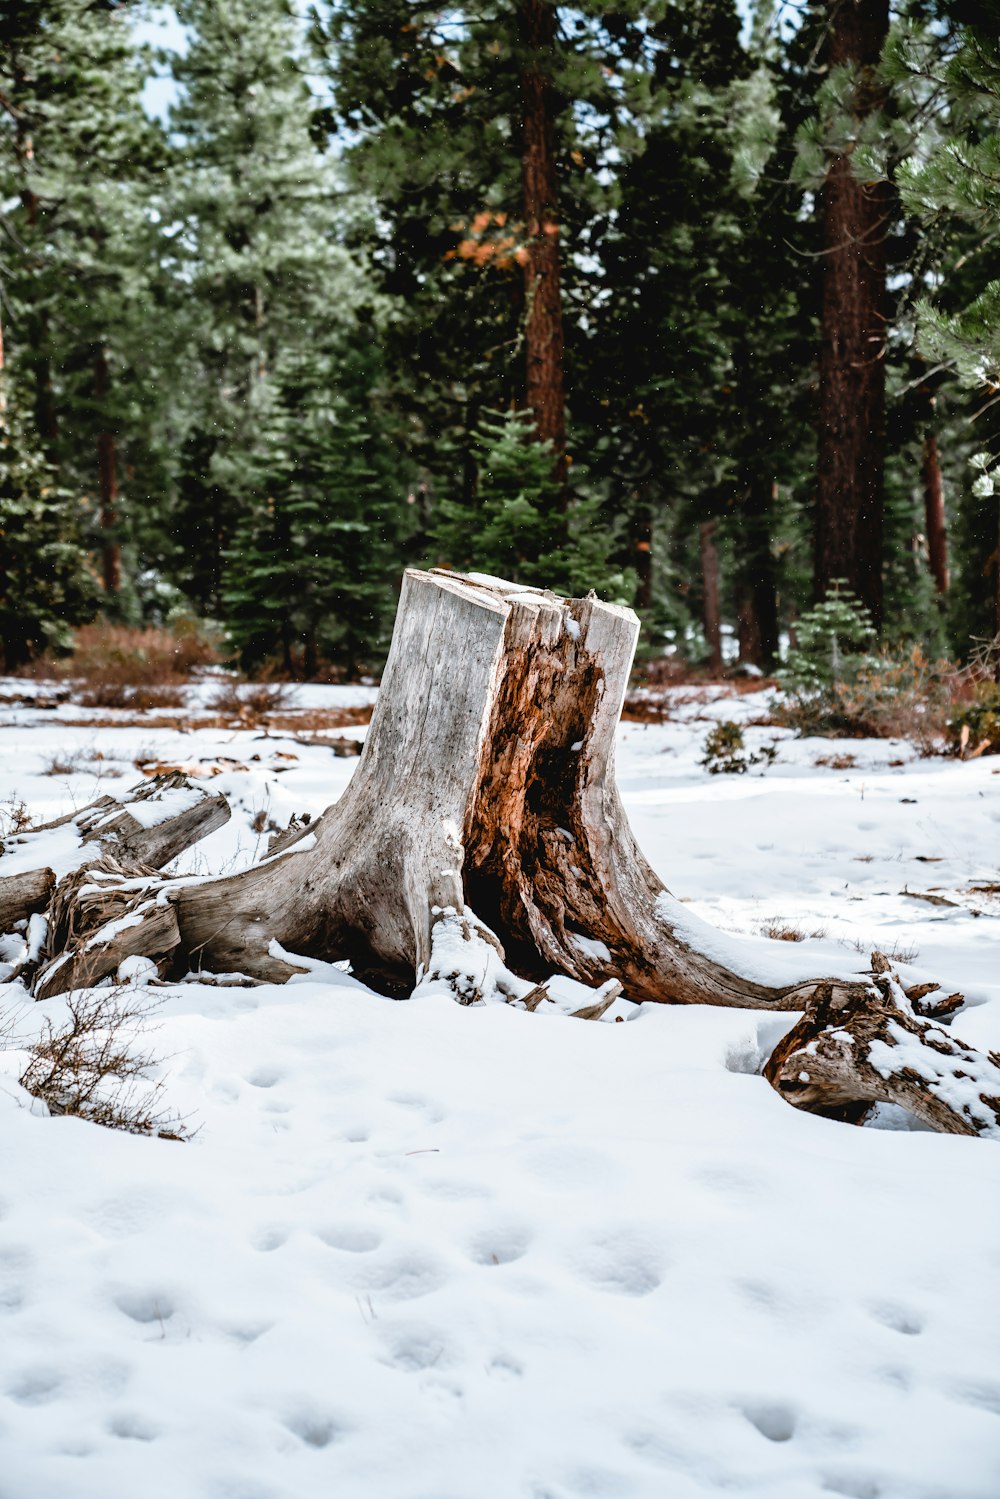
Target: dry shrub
251	702
89	1067
905	696
138	699
108	659
14	817
842	762
780	930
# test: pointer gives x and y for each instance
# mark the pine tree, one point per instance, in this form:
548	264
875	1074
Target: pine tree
80	160
311	572
45	586
487	136
263	268
515	527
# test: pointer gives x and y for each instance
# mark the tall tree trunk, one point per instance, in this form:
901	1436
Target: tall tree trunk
849	500
937	535
642	550
710	594
757	600
107	478
543	333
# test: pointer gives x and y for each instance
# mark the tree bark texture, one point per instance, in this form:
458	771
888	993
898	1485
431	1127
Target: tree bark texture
757	595
543	333
937	534
107	478
851	417
851	1051
710	612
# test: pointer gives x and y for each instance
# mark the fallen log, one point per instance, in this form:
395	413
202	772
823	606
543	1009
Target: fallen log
109	854
847	1054
21	895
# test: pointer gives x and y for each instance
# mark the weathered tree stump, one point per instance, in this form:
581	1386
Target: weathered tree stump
486	786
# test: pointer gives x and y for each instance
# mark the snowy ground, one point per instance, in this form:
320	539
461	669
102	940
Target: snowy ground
423	1252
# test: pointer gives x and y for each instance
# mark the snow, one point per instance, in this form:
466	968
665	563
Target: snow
425	1251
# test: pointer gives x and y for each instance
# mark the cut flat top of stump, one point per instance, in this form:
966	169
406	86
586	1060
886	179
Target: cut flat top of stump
501	592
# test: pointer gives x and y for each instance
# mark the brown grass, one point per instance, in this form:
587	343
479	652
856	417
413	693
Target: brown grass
252	702
89	1066
107	656
780	930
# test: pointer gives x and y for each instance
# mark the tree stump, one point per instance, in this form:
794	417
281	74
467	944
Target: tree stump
486	793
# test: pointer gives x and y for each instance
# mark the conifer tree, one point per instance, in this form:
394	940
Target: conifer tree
263	272
313	565
45	586
79	160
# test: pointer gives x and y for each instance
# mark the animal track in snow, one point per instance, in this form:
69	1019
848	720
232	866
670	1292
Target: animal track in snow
415	1348
403	1276
268	1238
897	1317
773	1420
35	1386
355	1238
145	1306
265	1077
314	1428
624	1261
132	1428
500	1245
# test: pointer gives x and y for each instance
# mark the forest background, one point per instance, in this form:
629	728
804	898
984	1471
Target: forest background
693	305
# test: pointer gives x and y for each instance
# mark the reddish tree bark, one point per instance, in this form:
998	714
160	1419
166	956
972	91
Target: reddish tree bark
848	541
937	535
710	594
543	333
107	479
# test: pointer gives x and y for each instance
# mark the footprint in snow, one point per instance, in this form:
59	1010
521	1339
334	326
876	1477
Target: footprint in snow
500	1245
35	1387
355	1238
773	1420
146	1307
899	1318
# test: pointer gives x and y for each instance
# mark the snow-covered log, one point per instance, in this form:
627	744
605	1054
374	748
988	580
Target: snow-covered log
23	894
150	824
886	1046
107	855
